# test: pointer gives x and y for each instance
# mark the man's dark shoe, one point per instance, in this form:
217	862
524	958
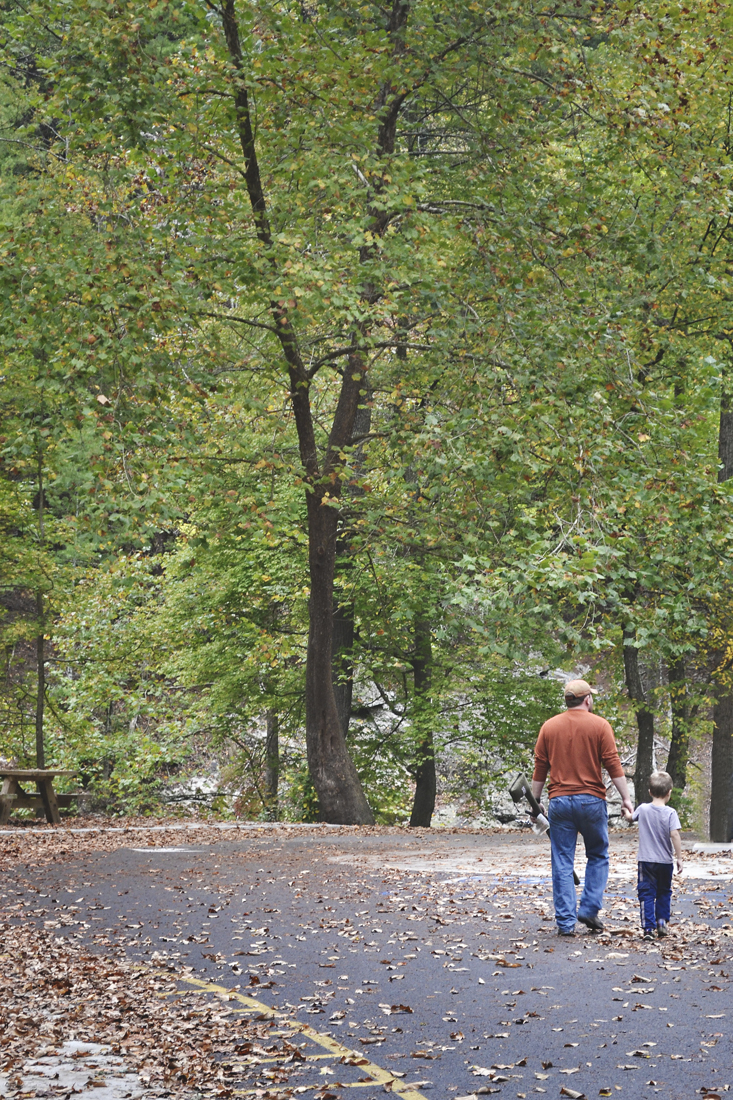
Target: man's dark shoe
566	931
593	923
662	930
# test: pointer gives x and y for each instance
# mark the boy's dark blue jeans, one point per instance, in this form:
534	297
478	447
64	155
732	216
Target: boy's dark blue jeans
654	887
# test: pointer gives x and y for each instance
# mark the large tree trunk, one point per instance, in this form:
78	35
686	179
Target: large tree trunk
342	666
423	804
342	671
679	747
334	776
721	794
340	794
644	719
721	787
272	764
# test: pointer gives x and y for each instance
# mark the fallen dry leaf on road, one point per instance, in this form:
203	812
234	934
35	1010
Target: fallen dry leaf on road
53	986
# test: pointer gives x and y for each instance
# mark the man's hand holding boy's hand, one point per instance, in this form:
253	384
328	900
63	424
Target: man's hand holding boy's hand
628	809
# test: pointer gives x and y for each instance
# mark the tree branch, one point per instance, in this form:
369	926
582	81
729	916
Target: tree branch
299	382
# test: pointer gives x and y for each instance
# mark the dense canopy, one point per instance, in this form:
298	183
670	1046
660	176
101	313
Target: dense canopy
364	367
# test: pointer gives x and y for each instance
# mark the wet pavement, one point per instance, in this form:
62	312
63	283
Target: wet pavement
431	961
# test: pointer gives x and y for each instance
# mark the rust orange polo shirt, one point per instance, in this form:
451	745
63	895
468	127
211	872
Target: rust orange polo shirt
573	746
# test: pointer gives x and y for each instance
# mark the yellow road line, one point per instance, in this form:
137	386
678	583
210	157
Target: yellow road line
378	1075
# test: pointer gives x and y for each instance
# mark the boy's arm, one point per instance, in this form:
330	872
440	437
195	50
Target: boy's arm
677	845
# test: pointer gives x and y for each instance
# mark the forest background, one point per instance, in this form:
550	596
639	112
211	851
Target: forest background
362	366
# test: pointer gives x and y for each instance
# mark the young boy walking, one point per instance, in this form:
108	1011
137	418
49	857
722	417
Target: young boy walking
659	848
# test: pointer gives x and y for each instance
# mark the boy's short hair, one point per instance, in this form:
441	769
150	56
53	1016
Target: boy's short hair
660	783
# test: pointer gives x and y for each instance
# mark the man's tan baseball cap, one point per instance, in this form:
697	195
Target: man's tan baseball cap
578	689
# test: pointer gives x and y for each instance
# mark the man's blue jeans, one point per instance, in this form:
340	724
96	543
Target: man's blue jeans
569	815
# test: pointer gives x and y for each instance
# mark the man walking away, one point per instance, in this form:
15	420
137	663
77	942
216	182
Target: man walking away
572	747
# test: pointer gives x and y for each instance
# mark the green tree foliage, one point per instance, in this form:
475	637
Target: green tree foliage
420	313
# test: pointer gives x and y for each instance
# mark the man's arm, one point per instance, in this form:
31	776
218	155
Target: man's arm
541	768
537	788
677	845
622	787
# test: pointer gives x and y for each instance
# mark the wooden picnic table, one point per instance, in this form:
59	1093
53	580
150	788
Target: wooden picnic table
12	794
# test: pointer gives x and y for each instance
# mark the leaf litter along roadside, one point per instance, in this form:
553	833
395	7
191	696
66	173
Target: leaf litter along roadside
55	991
77	837
417	897
63	1004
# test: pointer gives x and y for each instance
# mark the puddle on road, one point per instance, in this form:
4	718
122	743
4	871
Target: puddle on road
533	864
157	851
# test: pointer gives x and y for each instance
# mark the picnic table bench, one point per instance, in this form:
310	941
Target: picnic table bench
12	795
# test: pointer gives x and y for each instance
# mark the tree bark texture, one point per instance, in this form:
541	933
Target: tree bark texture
342	645
721	790
334	776
679	747
423	805
272	765
41	684
725	435
721	795
342	664
644	719
40	639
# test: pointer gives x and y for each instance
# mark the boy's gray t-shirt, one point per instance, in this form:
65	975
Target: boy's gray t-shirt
655	825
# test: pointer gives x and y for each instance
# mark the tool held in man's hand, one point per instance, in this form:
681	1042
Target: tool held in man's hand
521	789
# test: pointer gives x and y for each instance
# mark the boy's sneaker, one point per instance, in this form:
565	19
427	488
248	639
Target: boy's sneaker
649	934
662	929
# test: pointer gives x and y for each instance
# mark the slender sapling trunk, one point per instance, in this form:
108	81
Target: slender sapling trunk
423	805
644	718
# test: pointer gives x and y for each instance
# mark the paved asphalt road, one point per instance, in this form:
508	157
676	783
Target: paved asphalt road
339	929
